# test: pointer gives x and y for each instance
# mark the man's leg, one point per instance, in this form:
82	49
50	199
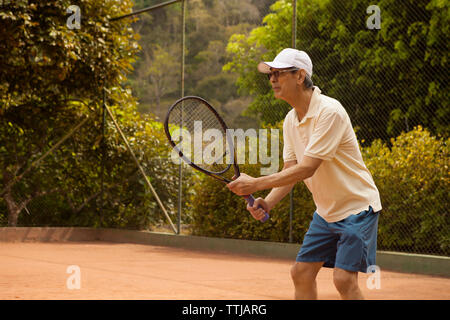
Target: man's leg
346	283
356	249
304	277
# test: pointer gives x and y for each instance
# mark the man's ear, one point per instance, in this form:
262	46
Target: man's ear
301	76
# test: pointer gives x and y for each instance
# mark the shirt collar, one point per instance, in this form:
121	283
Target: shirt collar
313	108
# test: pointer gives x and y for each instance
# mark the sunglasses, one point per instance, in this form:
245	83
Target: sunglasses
276	73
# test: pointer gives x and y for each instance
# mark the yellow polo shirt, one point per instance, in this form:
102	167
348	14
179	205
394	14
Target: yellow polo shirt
342	185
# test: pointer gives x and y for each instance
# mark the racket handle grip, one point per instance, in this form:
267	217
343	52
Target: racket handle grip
250	200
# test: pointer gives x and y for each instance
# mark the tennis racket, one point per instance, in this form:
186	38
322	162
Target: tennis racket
204	142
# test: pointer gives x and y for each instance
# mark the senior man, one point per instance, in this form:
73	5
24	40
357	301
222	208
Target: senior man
320	148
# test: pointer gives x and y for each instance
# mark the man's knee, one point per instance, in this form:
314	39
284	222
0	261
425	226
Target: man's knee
345	281
305	272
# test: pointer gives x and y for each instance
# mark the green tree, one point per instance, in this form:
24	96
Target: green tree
45	66
413	174
163	74
209	24
389	79
261	44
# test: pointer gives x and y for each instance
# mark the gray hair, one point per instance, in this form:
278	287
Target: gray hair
307	83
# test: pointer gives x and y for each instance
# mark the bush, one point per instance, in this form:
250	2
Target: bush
412	177
217	212
211	201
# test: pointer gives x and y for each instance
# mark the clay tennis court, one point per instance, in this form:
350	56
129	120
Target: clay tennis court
35	270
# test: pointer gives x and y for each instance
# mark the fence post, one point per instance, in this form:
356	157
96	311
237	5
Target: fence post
136	161
291	194
103	157
180	168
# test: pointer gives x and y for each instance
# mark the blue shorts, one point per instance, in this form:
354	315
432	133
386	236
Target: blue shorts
349	244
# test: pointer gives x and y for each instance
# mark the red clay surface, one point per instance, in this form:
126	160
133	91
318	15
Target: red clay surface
131	271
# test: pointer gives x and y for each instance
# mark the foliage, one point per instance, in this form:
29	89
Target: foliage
412	178
385	78
131	204
45	67
66	72
52	77
209	24
217	212
37	45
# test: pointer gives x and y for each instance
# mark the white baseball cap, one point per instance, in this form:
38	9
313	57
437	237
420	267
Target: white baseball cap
288	58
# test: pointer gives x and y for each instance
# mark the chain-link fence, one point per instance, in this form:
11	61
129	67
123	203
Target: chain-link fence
386	64
370	70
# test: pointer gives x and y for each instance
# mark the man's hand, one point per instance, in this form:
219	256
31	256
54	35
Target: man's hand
243	185
257	210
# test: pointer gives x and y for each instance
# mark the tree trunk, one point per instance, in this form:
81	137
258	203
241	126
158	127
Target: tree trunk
13	209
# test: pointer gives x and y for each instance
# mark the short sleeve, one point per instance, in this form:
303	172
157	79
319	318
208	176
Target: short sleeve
326	136
288	148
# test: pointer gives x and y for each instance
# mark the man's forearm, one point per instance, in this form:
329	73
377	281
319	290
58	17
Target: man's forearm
287	177
277	194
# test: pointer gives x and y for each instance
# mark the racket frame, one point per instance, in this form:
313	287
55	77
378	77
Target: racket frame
216	175
249	198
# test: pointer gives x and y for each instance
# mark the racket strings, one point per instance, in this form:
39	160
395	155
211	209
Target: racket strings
201	135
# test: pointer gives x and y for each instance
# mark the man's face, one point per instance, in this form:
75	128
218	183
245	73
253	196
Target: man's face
284	82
